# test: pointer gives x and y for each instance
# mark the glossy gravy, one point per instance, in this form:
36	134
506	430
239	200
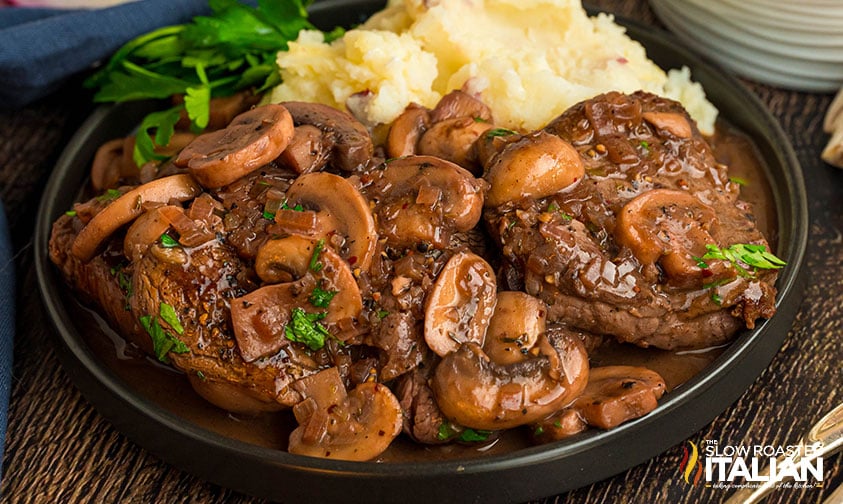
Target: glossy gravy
169	389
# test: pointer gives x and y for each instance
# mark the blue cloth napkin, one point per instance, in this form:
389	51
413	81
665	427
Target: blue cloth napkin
7	325
41	48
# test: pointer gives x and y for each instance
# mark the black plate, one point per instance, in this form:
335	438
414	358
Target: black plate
562	466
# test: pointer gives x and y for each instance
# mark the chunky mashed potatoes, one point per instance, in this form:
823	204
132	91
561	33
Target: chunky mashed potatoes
529	60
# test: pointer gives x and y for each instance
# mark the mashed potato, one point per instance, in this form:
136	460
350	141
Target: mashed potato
529	60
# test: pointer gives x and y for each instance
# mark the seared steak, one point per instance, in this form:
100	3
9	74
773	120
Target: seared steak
567	250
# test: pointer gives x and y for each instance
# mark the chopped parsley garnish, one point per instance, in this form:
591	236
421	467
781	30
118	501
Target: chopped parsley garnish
644	145
201	375
123	280
110	194
232	49
741	256
321	298
305	328
268	215
499	132
168	241
71	213
553	207
162	341
448	431
539	431
168	314
739	180
315	265
716	298
382	314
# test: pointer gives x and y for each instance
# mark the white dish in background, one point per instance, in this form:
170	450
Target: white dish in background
797	42
811	22
710	30
783	8
738	39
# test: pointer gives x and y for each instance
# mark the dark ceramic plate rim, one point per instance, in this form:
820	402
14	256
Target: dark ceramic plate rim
529	473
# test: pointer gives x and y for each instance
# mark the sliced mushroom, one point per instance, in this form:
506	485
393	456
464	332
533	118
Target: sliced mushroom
670	227
358	425
476	392
405	131
105	169
297	256
260	317
535	166
308	151
518	320
146	230
285	259
251	140
458	103
616	394
127	207
341	211
672	122
352	144
453	139
461	304
425	199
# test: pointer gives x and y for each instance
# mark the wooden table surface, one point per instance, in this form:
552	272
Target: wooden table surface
59	449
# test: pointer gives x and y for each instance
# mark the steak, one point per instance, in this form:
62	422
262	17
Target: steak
567	248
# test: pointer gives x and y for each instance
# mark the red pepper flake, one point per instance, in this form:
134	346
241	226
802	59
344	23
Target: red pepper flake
352	259
622	60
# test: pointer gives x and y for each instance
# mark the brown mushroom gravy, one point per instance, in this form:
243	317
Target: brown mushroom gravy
459	291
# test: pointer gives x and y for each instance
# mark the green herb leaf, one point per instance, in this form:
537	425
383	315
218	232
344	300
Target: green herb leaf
168	314
447	431
71	213
109	194
499	132
305	328
168	241
268	215
744	255
474	435
163	125
315	265
739	181
321	298
162	341
197	100
382	314
235	48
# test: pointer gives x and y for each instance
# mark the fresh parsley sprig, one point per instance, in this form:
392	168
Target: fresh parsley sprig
232	49
742	256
